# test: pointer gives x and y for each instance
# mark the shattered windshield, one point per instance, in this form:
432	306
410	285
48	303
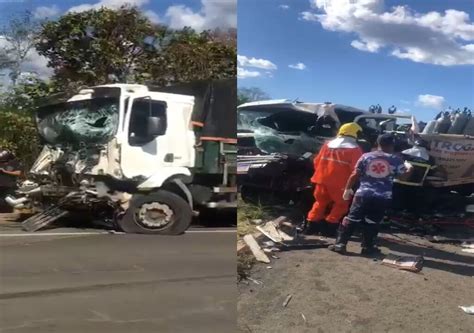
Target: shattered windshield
88	121
285	131
247	119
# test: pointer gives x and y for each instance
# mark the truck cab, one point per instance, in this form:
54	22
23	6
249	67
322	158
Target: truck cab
133	150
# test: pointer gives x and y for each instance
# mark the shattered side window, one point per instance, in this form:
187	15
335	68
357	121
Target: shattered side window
89	121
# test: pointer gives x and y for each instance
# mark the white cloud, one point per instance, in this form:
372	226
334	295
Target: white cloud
213	14
431	101
113	4
38	65
299	66
46	12
33	64
284	7
152	16
309	16
242	73
366	46
254	62
440	38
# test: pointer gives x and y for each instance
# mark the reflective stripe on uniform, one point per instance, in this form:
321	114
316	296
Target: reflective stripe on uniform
334	160
369	221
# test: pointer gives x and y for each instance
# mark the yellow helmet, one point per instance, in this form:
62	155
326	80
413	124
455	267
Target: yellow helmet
349	129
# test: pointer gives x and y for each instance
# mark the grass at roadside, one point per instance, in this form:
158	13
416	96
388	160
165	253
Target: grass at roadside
246	213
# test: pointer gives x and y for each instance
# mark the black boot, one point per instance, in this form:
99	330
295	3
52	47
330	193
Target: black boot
330	229
344	233
369	236
312	228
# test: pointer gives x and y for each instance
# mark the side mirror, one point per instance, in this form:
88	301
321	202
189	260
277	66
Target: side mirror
155	126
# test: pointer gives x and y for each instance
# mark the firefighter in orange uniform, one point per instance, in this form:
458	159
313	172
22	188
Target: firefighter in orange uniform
332	167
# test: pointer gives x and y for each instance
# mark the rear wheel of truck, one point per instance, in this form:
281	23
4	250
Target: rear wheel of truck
161	212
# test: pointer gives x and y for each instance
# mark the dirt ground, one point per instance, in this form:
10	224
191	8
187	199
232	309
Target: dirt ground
334	293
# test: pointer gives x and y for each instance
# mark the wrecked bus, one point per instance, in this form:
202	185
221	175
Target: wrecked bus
145	159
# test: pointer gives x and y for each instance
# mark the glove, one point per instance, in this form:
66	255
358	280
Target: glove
408	165
347	195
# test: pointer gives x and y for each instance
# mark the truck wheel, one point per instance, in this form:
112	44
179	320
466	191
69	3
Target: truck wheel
161	212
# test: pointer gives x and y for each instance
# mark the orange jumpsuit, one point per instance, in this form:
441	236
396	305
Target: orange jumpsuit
333	166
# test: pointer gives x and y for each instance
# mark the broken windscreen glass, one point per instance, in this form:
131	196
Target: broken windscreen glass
88	121
283	131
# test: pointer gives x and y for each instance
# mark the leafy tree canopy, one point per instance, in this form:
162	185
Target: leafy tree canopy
104	46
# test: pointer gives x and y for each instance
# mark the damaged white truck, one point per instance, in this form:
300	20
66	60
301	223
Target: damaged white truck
143	159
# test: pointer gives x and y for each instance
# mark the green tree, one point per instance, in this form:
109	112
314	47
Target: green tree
19	39
19	135
104	46
245	95
95	46
187	55
25	96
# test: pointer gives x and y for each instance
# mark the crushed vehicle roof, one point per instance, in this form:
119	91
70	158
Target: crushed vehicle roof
298	106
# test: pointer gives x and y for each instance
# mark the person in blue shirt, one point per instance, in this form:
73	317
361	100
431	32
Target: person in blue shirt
375	172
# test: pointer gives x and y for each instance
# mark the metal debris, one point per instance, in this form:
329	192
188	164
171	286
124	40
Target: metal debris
287	300
254	280
467	309
303	316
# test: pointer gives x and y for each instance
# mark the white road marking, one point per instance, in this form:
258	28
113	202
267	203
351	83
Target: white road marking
26	234
212	231
58	234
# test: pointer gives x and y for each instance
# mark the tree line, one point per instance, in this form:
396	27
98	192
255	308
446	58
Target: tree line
96	47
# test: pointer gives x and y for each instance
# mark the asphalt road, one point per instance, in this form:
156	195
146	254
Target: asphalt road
70	280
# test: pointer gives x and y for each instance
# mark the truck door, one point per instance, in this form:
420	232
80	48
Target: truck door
145	143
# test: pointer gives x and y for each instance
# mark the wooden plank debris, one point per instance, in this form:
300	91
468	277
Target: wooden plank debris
273	232
287	300
408	263
277	222
241	246
256	249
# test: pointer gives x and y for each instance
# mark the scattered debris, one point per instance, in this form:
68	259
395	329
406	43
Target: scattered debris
41	220
254	280
467	309
274	256
256	249
315	244
287	300
269	267
241	246
303	316
441	239
269	244
272	231
257	221
408	263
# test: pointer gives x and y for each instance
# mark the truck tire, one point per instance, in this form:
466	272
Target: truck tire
161	213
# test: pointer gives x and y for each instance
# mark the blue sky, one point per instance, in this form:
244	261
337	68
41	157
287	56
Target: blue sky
412	54
158	8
